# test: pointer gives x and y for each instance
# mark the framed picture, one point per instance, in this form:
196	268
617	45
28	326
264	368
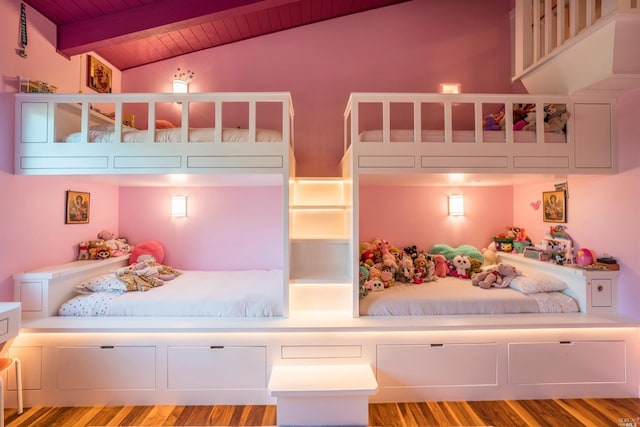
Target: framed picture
77	207
554	205
98	75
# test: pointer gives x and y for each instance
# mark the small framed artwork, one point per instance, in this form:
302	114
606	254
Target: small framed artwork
554	206
77	207
98	75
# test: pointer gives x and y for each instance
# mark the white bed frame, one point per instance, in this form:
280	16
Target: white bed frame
111	361
42	121
590	146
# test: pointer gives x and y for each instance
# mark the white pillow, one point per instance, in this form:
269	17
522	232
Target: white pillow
107	282
533	282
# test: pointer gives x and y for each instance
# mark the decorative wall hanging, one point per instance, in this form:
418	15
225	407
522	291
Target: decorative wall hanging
536	205
98	75
554	206
77	207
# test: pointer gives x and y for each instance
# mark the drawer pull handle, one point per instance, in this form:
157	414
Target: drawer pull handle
437	345
216	347
106	347
566	342
600	288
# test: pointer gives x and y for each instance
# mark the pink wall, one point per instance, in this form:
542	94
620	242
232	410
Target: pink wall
602	210
419	215
230	228
32	216
405	48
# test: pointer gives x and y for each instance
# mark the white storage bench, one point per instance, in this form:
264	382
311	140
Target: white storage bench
314	395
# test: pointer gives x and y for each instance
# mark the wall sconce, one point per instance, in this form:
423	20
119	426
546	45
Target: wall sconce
178	206
180	86
181	79
456	205
450	88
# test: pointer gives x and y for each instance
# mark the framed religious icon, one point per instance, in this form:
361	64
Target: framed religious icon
99	76
554	204
77	207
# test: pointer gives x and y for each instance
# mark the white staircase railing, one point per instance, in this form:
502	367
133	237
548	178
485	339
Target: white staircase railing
541	28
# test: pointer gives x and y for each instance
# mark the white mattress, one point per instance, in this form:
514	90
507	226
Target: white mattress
252	293
451	295
107	134
406	135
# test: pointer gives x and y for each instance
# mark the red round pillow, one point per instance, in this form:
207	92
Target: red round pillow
147	248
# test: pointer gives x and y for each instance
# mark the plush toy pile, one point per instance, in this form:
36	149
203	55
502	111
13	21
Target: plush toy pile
383	264
555	117
106	245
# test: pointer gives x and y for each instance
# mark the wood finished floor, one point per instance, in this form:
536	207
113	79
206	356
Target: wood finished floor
553	413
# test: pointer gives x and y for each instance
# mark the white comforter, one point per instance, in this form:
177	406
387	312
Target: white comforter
451	295
252	293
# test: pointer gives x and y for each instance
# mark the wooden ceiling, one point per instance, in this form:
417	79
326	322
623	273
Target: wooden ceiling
130	33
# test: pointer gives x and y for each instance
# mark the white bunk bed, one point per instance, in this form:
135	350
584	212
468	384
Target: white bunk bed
205	360
62	134
387	133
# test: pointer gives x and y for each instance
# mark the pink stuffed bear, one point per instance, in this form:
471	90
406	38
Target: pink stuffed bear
500	277
442	269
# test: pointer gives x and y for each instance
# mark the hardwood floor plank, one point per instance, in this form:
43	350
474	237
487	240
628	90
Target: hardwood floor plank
548	412
500	413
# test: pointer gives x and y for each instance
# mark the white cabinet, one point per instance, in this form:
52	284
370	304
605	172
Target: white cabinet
596	291
106	368
437	365
567	362
216	367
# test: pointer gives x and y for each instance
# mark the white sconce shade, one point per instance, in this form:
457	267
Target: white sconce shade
178	206
456	205
180	86
450	88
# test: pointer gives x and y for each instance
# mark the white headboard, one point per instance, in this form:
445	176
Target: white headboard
43	290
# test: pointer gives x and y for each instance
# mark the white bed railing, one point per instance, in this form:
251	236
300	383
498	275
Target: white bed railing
44	122
459	141
542	29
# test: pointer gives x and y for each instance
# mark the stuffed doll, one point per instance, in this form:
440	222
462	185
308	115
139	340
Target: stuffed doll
442	268
109	239
83	250
476	267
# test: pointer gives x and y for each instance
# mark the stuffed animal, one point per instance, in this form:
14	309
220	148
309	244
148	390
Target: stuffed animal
490	256
412	251
374	285
476	267
430	273
419	269
557	117
98	249
461	265
83	250
388	259
442	269
405	269
500	277
109	238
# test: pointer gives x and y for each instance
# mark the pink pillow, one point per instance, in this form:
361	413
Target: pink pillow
147	248
164	124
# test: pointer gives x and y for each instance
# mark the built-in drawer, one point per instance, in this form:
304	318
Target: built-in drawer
217	367
567	362
106	368
436	365
321	351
